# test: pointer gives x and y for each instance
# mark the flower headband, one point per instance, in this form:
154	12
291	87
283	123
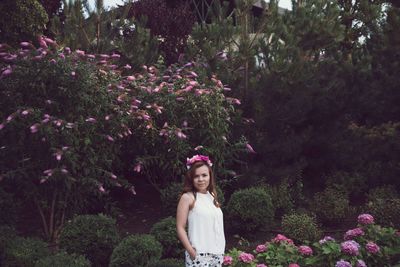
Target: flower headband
196	158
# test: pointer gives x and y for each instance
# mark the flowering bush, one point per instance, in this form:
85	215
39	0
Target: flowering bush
378	246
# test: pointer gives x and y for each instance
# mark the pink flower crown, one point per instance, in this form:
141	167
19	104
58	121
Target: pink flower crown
196	158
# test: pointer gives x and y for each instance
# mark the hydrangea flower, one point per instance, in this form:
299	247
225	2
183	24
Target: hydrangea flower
343	263
305	250
227	260
365	219
350	247
361	263
294	265
261	248
281	238
246	257
372	247
350	234
326	239
261	265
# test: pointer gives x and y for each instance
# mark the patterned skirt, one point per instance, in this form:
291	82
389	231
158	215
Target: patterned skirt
204	260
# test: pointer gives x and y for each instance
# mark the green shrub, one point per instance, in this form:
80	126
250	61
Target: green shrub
165	232
167	263
300	227
382	192
281	198
8	208
7	234
24	252
94	236
331	205
170	197
385	211
63	259
136	250
250	209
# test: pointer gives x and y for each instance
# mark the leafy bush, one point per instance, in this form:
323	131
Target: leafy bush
94	236
300	227
136	250
170	197
250	209
165	232
331	205
8	208
63	259
24	252
384	204
167	263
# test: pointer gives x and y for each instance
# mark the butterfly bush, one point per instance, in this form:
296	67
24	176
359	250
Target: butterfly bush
74	124
376	246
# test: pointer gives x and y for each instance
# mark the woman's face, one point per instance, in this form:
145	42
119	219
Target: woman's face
201	179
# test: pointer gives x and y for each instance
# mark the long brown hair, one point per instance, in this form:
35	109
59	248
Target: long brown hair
188	184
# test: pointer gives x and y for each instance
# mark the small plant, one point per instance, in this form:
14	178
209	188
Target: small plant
165	232
300	227
250	209
384	203
94	236
63	259
24	252
136	250
331	205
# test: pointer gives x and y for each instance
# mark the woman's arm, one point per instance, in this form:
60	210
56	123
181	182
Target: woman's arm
182	213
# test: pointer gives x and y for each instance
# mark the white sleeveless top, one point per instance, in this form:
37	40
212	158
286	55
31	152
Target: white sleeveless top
206	226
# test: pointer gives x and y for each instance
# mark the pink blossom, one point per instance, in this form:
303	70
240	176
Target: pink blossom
193	74
6	72
227	260
294	265
90	119
246	257
305	250
10	118
26	44
80	52
130	78
58	155
63	170
25	112
326	239
350	247
73	73
351	234
128	67
372	247
1	126
43	180
104	56
365	219
101	188
115	56
110	138
61	55
48	172
281	238
107	117
261	265
34	128
261	248
250	148
132	189
138	167
113	176
198	148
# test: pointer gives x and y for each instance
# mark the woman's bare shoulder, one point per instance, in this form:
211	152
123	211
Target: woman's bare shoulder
188	196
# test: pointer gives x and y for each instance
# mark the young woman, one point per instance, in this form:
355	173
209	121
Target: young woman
198	206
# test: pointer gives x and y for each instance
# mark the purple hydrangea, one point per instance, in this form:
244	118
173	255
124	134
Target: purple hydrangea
350	234
372	247
350	247
343	263
326	239
361	263
365	219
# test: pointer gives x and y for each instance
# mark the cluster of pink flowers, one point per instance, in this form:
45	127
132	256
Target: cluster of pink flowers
350	247
294	265
305	250
343	263
196	158
372	247
227	260
261	248
281	238
360	263
246	257
365	219
351	234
